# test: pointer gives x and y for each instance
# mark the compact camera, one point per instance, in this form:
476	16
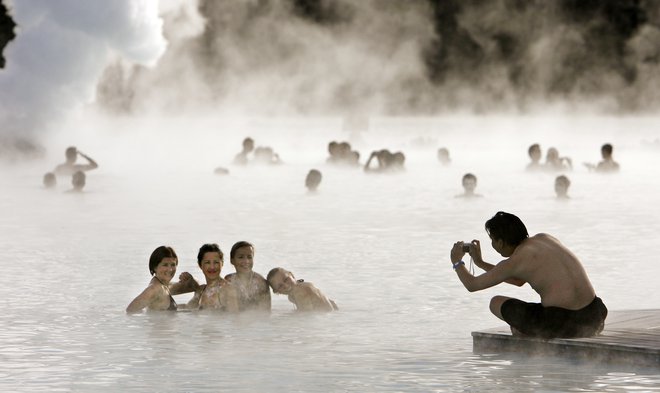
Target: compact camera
466	246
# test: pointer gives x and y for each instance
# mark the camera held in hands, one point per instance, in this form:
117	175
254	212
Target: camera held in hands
466	246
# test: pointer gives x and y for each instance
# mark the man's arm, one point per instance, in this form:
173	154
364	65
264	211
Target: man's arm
475	254
91	163
496	275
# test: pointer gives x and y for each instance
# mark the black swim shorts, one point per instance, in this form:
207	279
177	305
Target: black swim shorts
532	319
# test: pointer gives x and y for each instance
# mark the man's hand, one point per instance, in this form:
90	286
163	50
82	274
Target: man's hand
456	253
475	251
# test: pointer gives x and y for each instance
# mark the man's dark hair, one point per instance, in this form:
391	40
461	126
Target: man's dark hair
209	247
507	227
607	148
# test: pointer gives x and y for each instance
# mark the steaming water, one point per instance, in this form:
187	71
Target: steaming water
378	245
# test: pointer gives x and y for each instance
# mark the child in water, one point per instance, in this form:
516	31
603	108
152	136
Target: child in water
158	294
304	295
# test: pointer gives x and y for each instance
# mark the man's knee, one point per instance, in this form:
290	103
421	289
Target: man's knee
496	305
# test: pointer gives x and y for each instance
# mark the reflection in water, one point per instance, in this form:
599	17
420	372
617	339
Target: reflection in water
378	245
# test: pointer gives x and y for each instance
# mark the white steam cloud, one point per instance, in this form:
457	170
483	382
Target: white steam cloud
60	51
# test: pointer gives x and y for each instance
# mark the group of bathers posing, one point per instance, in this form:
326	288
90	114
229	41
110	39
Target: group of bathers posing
243	290
569	306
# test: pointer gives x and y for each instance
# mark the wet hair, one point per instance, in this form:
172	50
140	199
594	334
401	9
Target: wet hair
607	148
248	144
238	245
562	179
469	176
158	255
313	179
507	227
71	153
208	247
78	179
50	180
273	272
532	148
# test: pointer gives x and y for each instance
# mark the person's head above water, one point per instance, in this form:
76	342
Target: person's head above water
78	180
606	151
50	180
507	228
534	152
469	182
158	254
248	144
242	256
443	156
313	179
71	153
561	186
281	280
208	247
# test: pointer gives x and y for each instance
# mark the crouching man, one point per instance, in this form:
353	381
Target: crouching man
569	306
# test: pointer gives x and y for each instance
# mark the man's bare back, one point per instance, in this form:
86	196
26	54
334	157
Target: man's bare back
553	271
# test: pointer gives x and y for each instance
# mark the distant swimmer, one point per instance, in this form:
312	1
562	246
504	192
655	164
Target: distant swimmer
313	180
158	294
569	306
266	155
342	153
50	181
607	165
443	156
242	157
386	161
253	291
303	294
221	171
561	186
78	181
534	152
70	167
553	162
217	294
469	182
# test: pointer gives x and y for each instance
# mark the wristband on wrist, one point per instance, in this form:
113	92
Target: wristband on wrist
457	264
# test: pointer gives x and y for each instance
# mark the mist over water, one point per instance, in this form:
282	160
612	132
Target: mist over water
484	79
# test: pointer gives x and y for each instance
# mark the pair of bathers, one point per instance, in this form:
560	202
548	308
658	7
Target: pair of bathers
534	320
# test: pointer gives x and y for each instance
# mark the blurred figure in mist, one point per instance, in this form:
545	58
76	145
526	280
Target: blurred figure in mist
469	183
386	161
313	180
50	181
561	186
555	163
342	153
534	152
443	156
69	167
266	155
78	181
242	157
607	165
221	171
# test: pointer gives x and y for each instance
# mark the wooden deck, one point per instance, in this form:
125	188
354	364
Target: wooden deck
630	336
